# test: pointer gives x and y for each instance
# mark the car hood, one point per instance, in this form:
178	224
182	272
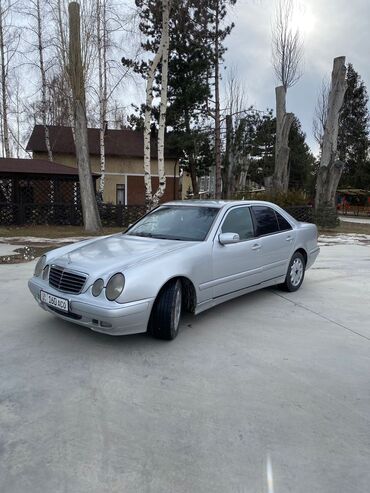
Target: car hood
117	252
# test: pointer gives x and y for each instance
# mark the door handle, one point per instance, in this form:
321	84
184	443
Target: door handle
256	246
289	238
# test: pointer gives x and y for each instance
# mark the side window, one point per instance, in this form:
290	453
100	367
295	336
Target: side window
239	220
283	223
265	219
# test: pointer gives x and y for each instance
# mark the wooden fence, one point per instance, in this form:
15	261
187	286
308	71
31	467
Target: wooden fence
66	214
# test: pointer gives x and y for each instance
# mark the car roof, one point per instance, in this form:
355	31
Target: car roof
216	203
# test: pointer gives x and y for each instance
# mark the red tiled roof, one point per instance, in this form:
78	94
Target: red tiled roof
125	143
36	166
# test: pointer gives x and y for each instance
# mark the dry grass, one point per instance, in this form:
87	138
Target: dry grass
347	228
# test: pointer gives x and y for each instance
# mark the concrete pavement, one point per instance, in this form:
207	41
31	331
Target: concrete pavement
270	376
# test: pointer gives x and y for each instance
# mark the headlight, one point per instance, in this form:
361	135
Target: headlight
45	272
40	266
97	287
115	286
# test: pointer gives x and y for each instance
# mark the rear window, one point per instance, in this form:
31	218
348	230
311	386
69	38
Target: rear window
265	220
283	223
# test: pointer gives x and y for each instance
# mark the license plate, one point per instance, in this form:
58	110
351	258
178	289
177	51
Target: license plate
54	301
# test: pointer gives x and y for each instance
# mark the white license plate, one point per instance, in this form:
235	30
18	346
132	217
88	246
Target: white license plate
54	301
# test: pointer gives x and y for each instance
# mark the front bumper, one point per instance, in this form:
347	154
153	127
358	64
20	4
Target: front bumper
109	318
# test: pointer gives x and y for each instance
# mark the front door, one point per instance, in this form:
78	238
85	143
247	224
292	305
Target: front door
235	266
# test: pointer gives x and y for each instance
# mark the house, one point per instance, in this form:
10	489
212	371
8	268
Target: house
124	168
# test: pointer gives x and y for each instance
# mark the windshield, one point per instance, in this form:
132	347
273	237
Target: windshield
189	223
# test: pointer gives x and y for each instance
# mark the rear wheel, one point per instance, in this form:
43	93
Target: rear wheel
165	318
295	274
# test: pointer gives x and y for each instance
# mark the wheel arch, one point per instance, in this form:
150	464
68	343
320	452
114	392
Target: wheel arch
188	292
303	252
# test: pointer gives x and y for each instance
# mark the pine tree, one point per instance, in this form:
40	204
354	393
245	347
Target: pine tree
301	160
353	137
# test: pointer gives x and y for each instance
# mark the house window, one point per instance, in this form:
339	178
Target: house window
204	184
120	194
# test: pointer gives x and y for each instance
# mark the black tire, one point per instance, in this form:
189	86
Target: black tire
165	317
295	274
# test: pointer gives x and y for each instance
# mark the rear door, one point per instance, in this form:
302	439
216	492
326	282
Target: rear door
276	239
235	266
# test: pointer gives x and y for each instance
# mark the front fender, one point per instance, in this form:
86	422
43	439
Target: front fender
146	279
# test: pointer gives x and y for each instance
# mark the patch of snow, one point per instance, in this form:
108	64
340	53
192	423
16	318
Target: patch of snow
344	239
358	220
6	249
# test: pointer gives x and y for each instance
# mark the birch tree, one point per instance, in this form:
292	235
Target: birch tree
163	103
76	74
331	167
287	51
160	56
112	29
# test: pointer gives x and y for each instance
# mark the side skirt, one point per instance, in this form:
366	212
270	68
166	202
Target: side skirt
205	305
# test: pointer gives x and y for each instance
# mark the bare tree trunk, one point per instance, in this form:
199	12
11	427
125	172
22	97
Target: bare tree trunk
88	201
102	69
4	87
163	104
218	186
43	80
331	167
193	176
229	158
284	120
62	51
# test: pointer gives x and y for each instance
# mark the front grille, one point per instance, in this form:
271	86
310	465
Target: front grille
65	280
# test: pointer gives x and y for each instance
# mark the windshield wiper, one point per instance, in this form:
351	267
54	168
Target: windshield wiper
144	235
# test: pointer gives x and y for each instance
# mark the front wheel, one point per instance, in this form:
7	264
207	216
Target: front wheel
165	318
295	274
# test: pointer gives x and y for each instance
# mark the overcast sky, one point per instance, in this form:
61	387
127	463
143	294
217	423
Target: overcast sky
330	27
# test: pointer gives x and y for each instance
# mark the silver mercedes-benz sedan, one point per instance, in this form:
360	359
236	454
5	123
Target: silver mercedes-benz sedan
188	255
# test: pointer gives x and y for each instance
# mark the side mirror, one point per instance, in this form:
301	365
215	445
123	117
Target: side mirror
228	238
